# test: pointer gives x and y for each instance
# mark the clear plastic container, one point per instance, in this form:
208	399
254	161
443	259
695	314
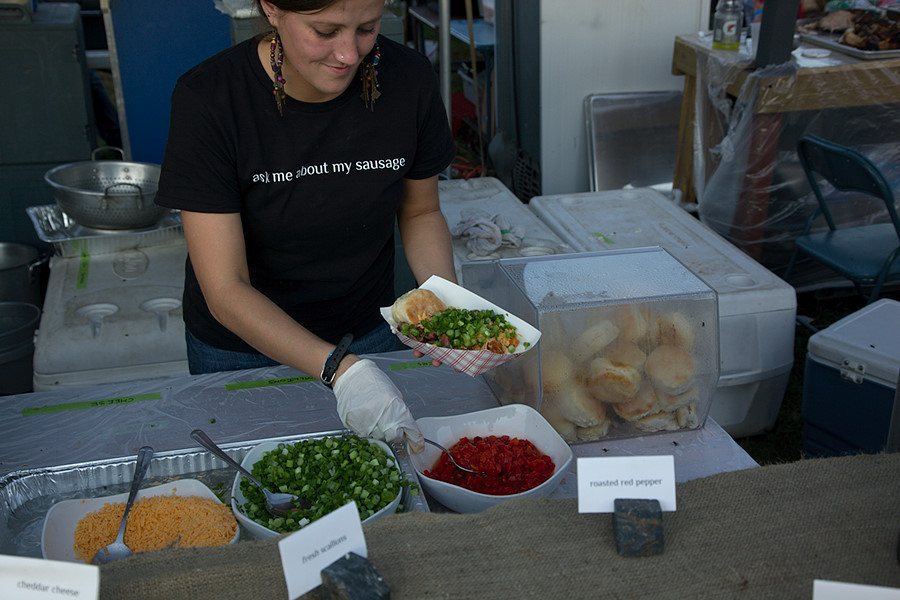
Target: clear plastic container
756	308
629	340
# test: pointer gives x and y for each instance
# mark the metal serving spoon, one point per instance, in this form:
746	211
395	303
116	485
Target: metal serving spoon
279	505
118	549
450	456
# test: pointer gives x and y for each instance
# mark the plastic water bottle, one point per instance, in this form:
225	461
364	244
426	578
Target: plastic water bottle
727	25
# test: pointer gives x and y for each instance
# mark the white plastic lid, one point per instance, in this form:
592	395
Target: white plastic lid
869	337
574	280
641	217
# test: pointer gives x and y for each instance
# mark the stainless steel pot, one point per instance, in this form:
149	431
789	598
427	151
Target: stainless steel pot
20	270
107	194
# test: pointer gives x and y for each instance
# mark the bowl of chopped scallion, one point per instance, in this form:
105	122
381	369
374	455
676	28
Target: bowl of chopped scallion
327	471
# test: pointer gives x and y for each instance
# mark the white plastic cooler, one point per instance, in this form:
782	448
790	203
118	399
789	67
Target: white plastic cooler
757	310
850	382
461	198
112	317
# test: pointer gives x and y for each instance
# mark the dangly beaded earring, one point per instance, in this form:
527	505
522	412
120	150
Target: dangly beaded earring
276	58
368	74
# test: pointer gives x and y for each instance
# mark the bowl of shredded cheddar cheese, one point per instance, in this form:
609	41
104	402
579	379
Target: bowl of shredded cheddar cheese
183	513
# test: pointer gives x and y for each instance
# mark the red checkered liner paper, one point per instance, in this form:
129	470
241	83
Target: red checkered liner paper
471	362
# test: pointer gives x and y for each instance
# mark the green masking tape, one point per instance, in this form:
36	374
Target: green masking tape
83	265
47	410
411	365
246	385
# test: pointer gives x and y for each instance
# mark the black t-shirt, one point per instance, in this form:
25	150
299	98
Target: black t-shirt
317	188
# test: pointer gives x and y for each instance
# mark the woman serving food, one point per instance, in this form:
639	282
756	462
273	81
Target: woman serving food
290	156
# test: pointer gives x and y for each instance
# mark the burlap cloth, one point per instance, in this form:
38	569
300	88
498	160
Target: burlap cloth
760	533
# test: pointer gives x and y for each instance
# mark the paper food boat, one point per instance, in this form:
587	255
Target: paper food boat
471	362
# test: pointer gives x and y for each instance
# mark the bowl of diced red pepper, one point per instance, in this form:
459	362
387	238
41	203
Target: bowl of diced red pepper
518	453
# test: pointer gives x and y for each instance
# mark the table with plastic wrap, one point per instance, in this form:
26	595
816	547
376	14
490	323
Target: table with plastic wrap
76	426
776	101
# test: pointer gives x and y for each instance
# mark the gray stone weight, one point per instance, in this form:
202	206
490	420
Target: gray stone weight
351	577
638	525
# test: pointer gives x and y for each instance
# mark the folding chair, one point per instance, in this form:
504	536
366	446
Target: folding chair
867	254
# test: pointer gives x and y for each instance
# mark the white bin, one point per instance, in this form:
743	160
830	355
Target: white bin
460	197
110	318
850	382
757	310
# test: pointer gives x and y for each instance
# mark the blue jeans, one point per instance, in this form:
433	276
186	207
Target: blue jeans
203	358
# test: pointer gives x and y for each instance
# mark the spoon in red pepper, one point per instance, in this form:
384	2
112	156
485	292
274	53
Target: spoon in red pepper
453	460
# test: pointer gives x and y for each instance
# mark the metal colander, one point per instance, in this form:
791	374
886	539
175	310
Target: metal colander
107	194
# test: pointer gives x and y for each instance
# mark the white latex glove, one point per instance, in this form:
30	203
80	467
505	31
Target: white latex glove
370	405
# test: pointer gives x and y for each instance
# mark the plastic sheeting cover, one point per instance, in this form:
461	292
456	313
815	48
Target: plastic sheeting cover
729	131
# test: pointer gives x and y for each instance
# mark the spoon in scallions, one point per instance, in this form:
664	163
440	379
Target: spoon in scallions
453	460
279	505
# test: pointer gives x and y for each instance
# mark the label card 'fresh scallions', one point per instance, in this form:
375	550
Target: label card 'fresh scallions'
28	578
306	552
602	480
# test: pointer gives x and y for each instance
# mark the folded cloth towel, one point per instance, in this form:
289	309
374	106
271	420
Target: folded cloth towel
513	235
486	233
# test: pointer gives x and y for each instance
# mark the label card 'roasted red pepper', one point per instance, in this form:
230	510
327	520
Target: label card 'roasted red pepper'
601	480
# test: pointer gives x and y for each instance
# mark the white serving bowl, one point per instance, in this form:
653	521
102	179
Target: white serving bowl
259	531
58	534
514	420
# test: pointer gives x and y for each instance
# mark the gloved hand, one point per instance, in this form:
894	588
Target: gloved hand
369	404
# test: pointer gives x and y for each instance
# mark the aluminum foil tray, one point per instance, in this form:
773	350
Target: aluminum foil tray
831	42
69	239
828	40
27	495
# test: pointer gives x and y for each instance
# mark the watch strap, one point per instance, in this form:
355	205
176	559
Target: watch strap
334	360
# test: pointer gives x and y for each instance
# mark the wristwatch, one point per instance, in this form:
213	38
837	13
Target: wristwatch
334	359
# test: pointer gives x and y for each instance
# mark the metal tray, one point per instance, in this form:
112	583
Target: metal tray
27	495
69	239
830	41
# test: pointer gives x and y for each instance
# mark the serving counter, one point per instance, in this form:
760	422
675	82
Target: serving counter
91	428
738	530
765	533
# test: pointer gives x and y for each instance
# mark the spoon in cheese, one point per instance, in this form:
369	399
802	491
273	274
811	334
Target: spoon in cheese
117	549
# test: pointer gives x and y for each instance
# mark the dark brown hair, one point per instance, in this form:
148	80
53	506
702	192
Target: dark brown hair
297	5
